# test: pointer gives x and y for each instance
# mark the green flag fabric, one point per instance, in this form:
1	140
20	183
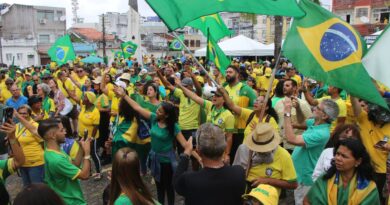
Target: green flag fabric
62	50
128	49
215	54
178	13
328	49
176	45
214	23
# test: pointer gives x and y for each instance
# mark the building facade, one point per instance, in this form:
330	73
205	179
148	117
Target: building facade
37	26
367	16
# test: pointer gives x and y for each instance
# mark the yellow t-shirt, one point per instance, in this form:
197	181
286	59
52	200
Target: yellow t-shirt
263	82
112	71
102	101
223	118
31	145
245	113
189	111
45	114
114	107
342	109
281	168
110	91
81	81
5	94
20	81
69	87
372	134
88	120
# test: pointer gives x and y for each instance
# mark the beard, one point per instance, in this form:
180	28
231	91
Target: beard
230	79
263	158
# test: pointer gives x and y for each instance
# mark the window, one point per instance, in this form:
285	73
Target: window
19	56
192	43
362	12
59	14
44	14
186	42
8	56
197	43
44	38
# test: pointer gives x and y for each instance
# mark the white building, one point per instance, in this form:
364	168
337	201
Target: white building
115	23
24	52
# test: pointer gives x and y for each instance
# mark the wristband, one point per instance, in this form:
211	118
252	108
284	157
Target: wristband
287	114
87	157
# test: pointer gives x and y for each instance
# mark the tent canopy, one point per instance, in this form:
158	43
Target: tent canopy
241	46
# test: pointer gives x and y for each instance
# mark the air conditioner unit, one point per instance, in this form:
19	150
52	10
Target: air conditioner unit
42	21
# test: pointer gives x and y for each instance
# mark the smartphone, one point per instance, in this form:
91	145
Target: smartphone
8	114
380	143
85	134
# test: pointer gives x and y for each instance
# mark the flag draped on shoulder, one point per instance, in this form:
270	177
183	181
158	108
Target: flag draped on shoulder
62	50
176	45
214	53
177	13
214	23
376	62
128	49
328	49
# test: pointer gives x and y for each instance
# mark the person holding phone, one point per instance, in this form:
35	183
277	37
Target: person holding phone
32	171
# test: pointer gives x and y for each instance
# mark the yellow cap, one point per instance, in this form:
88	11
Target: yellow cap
200	79
91	96
268	72
266	194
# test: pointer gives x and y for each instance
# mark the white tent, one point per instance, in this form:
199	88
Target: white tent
241	46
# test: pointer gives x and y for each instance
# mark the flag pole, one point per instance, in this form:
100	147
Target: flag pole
196	60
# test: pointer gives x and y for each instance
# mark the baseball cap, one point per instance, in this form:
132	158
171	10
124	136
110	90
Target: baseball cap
187	82
268	72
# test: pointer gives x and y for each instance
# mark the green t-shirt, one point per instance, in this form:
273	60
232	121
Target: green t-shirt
134	79
305	157
5	170
162	141
61	176
189	111
124	200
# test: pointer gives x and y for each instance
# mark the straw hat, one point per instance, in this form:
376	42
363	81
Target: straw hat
263	138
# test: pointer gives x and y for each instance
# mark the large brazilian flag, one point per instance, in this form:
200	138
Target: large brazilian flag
62	50
328	49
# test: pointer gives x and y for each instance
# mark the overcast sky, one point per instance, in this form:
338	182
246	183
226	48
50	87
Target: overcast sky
90	9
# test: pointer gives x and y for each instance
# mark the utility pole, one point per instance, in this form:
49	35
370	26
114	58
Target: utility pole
104	37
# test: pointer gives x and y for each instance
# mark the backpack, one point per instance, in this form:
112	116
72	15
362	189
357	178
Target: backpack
143	128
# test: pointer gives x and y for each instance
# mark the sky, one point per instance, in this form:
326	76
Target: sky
88	9
91	9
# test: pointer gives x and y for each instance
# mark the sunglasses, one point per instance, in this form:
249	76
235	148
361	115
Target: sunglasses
79	71
9	83
48	78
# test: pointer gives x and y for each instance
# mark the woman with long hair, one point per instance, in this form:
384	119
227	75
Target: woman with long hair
164	129
349	180
127	186
341	132
126	134
217	114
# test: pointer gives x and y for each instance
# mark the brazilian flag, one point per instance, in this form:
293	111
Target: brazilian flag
324	47
62	51
176	45
214	23
128	49
215	54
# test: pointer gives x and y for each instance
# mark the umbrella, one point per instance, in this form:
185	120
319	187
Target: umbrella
92	59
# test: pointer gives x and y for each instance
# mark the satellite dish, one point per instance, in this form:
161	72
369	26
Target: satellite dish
364	19
62	18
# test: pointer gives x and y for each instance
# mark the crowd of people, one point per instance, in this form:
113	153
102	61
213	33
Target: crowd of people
211	137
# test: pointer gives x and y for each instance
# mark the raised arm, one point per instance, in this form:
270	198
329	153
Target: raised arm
229	102
143	112
356	107
288	129
17	151
30	127
189	93
309	98
164	80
